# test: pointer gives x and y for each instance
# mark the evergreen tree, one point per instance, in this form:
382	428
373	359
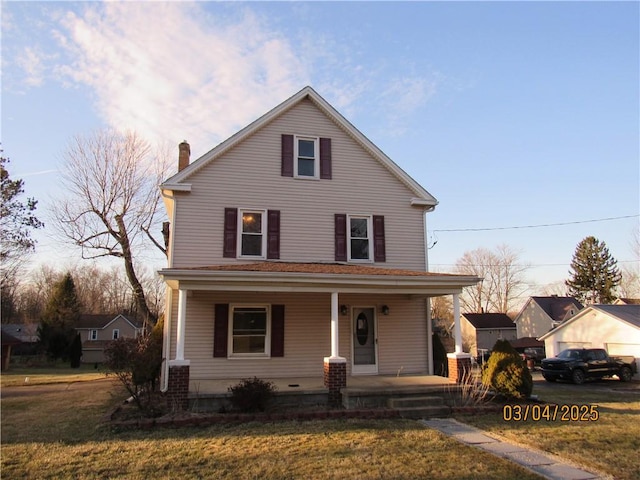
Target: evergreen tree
595	273
75	351
60	316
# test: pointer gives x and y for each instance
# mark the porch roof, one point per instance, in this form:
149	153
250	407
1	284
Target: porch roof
315	277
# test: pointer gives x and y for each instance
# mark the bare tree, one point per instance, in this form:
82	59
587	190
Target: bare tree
503	279
630	283
113	201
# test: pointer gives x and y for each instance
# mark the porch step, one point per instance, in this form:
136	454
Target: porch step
420	407
412	402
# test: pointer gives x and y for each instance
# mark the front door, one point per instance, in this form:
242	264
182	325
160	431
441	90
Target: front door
364	341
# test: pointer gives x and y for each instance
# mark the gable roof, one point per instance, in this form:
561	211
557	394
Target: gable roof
557	307
178	181
99	322
629	314
489	320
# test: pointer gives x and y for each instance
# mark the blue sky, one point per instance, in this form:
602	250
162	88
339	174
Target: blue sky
510	114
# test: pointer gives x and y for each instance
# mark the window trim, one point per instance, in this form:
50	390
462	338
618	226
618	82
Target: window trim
267	339
263	233
93	335
115	334
369	219
316	157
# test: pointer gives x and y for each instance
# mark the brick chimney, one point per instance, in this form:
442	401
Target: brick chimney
184	155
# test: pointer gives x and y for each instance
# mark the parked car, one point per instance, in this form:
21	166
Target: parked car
579	364
536	354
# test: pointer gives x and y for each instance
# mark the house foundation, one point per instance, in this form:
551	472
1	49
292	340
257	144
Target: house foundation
335	379
178	387
459	366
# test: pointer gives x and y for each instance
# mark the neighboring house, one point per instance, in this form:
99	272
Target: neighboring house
541	314
26	333
481	330
293	241
8	342
613	327
96	331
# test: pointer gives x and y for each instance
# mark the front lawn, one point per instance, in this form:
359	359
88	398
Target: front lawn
51	431
610	444
50	373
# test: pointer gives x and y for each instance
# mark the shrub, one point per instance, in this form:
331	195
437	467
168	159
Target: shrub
506	372
136	363
440	361
251	395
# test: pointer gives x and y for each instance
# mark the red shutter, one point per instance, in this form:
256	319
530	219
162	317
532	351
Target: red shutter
277	330
230	232
379	252
325	158
220	329
273	234
341	237
287	156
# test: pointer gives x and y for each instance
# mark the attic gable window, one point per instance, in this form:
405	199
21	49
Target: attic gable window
306	157
306	154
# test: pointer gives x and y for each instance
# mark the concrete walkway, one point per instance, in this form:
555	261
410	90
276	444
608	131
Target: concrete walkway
543	464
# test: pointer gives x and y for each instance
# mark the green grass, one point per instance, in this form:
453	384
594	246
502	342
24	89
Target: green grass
56	431
610	444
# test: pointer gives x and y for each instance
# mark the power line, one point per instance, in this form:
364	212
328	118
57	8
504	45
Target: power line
543	225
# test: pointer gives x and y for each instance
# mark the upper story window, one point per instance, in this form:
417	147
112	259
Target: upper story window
251	235
360	238
93	335
116	334
306	154
359	242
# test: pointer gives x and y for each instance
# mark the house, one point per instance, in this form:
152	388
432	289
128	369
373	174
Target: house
298	249
8	342
541	314
615	328
26	333
480	331
96	331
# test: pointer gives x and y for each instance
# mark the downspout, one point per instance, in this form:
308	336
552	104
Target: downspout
166	334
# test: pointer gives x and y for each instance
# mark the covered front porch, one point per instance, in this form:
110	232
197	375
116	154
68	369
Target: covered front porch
396	304
371	391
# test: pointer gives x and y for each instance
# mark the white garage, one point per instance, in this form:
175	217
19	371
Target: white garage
615	328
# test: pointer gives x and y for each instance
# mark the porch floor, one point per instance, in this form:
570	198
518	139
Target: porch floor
380	383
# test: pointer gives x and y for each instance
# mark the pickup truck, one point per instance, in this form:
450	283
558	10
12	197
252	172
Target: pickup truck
579	364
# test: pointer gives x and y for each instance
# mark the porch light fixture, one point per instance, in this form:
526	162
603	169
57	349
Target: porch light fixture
343	309
385	309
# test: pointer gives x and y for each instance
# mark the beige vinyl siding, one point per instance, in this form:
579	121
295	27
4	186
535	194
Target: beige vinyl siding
533	321
248	176
402	335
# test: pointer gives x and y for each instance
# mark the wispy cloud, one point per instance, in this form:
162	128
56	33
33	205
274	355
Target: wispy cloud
174	71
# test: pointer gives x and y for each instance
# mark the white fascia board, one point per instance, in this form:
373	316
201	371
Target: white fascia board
303	282
176	187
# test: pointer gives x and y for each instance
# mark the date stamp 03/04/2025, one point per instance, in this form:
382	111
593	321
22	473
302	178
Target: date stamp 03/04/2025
550	412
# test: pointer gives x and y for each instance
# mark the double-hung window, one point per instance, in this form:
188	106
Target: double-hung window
359	237
250	330
93	334
116	334
306	154
252	236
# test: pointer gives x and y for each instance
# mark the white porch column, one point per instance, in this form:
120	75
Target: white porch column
182	318
335	344
456	322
